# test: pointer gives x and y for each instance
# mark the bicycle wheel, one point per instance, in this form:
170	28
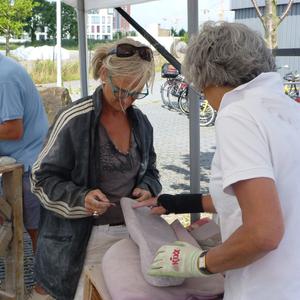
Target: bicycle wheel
164	90
207	114
293	92
183	102
173	94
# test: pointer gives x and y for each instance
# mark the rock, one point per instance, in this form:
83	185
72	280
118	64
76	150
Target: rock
7	160
54	98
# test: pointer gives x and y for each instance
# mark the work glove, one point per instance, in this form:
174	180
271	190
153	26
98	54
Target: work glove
177	260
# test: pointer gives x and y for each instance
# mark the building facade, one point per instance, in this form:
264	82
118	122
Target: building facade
100	24
120	24
288	31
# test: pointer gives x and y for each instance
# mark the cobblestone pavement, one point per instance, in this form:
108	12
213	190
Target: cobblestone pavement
171	142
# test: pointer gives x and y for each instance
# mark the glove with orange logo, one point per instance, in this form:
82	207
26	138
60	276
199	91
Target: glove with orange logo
179	260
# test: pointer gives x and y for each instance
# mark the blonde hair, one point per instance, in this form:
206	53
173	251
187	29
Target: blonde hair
140	70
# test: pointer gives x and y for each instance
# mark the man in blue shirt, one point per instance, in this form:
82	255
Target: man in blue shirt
23	127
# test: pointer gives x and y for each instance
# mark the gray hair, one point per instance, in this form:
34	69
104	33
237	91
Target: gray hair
139	69
226	54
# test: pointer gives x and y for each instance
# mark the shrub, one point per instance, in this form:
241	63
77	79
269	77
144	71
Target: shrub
44	71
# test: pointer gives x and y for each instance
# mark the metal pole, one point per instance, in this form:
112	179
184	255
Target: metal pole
58	43
82	47
194	105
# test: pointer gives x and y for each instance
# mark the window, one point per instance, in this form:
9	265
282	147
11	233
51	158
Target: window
108	29
98	28
108	19
93	28
103	29
95	20
103	19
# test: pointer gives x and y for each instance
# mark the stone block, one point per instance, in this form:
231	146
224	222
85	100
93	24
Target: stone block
54	98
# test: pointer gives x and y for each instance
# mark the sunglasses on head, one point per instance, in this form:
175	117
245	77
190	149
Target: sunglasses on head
127	50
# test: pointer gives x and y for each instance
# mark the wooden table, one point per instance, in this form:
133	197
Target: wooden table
94	285
11	206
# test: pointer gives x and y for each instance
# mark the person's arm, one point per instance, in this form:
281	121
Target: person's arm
12	111
247	173
261	231
179	204
208	205
51	174
11	130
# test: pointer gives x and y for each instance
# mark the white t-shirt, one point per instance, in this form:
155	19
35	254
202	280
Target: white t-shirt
258	135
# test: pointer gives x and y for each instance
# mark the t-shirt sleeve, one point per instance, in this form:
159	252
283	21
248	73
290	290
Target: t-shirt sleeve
11	106
243	150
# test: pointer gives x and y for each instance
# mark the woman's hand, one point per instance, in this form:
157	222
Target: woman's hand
141	194
179	259
198	224
96	202
152	203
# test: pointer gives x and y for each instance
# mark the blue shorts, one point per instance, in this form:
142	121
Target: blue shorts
31	205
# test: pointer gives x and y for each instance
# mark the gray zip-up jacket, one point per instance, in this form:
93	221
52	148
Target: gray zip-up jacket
65	171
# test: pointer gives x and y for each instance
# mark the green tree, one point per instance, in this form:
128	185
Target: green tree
37	20
121	34
181	32
69	22
173	32
13	15
50	20
185	38
45	16
271	20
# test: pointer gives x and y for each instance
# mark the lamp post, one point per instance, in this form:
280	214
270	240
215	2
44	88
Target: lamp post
58	43
194	105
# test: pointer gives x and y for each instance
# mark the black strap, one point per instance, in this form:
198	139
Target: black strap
160	48
182	203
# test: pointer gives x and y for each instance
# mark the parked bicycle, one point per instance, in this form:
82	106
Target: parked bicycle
178	87
174	93
207	114
170	73
291	89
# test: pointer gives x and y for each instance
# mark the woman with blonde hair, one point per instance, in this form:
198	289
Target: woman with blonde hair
99	149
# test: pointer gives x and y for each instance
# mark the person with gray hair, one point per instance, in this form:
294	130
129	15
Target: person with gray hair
98	150
254	185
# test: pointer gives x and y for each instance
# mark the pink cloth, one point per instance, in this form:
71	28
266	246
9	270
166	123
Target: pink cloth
125	264
207	234
124	279
182	234
149	232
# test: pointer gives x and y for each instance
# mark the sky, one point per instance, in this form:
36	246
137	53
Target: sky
173	13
